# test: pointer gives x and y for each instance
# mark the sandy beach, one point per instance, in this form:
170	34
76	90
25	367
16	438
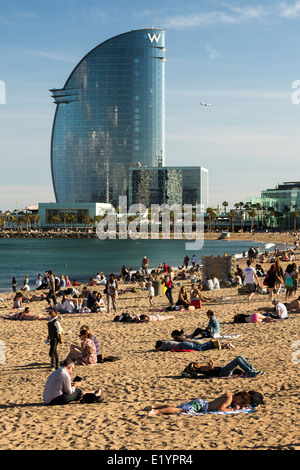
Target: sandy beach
144	376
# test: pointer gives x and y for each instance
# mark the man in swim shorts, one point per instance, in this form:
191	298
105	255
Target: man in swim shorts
226	402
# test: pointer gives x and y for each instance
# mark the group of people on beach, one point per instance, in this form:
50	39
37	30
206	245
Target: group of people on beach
59	389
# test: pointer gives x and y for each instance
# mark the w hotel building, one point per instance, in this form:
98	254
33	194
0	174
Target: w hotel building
110	115
110	119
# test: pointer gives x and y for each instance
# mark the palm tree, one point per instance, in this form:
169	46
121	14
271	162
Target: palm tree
65	216
225	204
36	219
20	222
2	222
72	219
232	215
214	217
56	220
252	214
209	211
13	220
294	216
87	220
27	219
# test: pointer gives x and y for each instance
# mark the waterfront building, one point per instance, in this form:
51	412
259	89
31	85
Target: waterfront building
66	214
110	114
279	205
168	185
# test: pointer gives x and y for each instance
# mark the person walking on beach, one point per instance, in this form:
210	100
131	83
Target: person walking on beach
250	278
145	264
169	286
51	293
14	284
193	260
54	337
111	291
151	294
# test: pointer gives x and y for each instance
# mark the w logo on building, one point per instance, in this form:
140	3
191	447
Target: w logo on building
154	37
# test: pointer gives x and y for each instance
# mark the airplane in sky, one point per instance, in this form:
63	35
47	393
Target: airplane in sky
205	104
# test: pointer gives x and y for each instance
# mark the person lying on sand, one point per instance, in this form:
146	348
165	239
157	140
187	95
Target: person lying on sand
226	402
238	366
293	307
187	344
252	318
155	317
25	315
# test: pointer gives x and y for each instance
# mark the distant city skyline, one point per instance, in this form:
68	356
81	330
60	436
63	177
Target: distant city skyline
239	56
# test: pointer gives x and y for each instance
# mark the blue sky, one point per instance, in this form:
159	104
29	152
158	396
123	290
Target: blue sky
240	56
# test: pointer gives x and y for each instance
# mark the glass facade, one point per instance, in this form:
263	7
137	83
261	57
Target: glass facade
168	185
110	115
282	202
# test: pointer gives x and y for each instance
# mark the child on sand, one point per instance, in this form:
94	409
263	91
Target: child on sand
151	294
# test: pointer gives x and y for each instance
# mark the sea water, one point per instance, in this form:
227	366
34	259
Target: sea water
83	258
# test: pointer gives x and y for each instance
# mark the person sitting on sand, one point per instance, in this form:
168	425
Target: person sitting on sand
86	353
292	307
93	338
18	300
59	390
99	305
197	294
67	305
183	300
238	366
227	402
212	329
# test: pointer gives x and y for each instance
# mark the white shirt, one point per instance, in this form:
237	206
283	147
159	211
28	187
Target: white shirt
58	382
249	274
216	284
151	291
69	306
281	310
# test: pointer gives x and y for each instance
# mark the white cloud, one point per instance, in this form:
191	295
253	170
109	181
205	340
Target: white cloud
55	56
213	53
234	15
290	12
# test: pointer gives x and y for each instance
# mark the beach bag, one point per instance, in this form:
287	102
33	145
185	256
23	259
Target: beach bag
196	303
289	282
92	398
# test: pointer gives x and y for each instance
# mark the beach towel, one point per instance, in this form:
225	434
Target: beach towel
248	409
182	350
226	336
